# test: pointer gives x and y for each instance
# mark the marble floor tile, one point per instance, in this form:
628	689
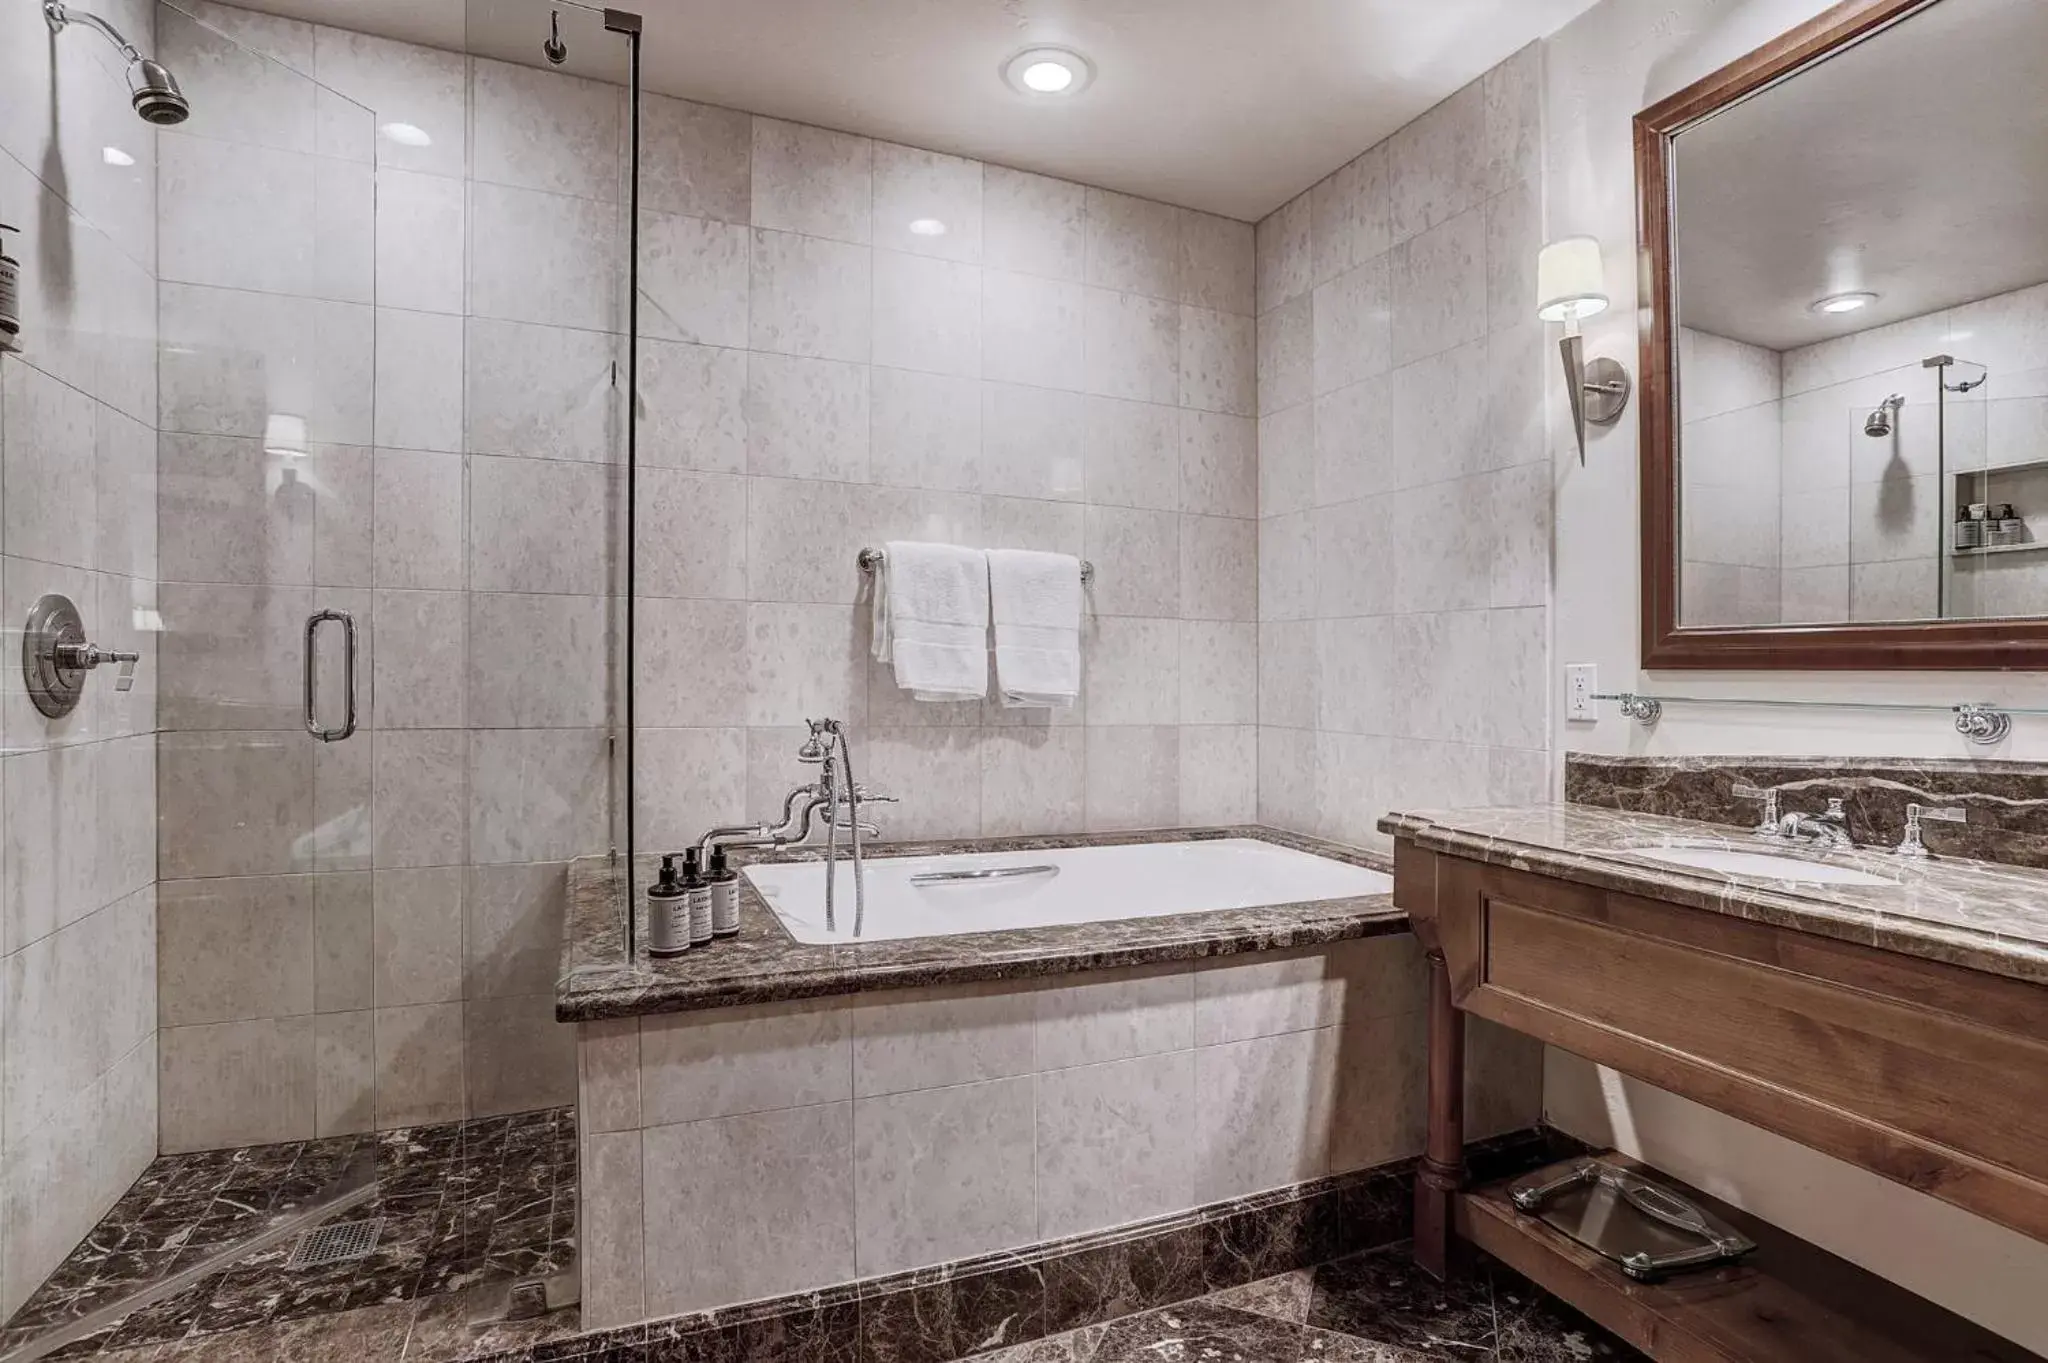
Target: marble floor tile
1374	1307
461	1204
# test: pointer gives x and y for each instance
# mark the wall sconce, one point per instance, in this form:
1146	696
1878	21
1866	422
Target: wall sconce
1571	284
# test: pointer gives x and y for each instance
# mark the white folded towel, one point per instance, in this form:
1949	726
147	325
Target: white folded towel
1036	599
931	619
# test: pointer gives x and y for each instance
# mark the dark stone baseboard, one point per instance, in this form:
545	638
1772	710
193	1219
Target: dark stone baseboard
938	1314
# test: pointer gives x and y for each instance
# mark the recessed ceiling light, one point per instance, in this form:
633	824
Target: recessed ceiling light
1048	71
114	156
927	227
1844	302
406	135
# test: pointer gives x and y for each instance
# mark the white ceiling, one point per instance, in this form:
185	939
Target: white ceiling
1914	165
1232	106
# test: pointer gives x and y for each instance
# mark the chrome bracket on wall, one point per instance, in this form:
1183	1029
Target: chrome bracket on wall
1982	724
1645	710
55	656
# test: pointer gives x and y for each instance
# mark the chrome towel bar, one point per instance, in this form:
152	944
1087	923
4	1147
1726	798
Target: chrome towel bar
871	559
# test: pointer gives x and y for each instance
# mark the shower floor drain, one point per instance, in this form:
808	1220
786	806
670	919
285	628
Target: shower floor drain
335	1244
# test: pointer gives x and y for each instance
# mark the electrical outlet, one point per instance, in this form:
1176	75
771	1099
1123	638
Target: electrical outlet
1581	680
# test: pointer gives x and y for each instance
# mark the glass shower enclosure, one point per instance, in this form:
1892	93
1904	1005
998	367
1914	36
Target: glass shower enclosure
384	694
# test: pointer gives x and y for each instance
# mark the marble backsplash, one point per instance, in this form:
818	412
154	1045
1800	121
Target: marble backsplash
2006	802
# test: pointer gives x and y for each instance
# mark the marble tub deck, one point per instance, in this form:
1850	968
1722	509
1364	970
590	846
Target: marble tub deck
765	965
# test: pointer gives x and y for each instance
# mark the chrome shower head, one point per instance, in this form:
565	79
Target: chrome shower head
1879	422
151	89
154	92
554	49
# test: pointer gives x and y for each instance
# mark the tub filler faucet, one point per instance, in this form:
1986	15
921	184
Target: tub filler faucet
839	796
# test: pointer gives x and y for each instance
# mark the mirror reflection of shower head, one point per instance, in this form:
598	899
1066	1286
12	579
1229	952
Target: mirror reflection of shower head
1879	422
554	49
151	89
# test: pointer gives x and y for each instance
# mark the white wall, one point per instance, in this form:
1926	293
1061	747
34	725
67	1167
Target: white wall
1613	61
78	1034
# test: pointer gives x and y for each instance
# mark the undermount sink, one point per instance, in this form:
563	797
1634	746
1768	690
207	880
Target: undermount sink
1759	865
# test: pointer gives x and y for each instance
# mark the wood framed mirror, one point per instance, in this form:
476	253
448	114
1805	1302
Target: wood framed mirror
1844	349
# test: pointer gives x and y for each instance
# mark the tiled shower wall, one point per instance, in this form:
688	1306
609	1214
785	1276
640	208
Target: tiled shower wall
1062	368
78	471
1404	480
1863	516
1730	499
364	933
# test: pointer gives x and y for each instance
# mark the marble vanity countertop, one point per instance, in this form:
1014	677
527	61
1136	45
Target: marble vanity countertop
1970	913
764	964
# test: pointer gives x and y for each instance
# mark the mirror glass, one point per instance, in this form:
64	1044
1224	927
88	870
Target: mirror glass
1861	289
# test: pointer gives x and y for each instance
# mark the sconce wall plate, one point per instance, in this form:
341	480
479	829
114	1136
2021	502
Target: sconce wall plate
1599	389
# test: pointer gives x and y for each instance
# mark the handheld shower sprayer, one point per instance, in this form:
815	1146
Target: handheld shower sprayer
151	88
1879	423
554	49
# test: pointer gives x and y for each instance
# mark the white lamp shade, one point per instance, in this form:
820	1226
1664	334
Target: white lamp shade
284	434
1571	282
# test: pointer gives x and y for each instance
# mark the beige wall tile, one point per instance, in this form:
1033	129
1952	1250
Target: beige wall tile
1263	1110
782	1185
612	1199
720	1064
419	1065
926	1038
345	1068
515	1056
1114	1143
943	1173
235	949
416	953
608	1075
237	1083
1115	1015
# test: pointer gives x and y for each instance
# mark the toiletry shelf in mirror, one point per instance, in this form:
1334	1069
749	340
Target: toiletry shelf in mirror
1987	550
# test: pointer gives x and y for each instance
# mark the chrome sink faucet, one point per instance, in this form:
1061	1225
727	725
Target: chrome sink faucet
1910	845
1829	830
1768	826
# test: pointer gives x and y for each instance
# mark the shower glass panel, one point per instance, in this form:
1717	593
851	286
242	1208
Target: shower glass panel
269	414
556	272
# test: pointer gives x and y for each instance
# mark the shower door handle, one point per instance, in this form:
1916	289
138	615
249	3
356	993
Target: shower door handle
348	689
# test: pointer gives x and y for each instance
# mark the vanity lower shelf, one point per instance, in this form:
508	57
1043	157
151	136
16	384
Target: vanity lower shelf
1788	1302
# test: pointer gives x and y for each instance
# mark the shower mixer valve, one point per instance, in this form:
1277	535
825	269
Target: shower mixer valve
55	656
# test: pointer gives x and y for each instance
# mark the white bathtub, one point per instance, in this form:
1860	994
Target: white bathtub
928	896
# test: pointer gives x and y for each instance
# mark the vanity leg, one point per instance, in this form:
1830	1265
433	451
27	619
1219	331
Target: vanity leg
1442	1172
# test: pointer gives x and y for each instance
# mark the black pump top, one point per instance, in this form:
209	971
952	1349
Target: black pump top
668	884
692	867
719	871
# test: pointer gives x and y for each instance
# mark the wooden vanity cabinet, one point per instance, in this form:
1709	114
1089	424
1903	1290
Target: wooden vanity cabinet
1930	1074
